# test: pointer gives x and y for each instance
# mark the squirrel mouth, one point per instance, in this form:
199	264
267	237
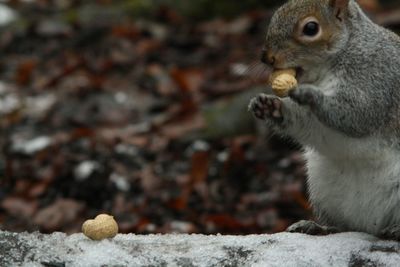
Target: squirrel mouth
299	72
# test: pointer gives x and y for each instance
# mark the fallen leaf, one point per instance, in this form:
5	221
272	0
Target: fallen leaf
24	71
20	207
181	127
58	214
188	80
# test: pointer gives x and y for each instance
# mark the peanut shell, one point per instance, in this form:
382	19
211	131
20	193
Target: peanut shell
103	226
283	81
277	73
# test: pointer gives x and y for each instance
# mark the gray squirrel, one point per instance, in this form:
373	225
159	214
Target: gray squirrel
345	112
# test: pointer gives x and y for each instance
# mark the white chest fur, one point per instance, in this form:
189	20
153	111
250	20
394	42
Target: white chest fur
328	84
359	191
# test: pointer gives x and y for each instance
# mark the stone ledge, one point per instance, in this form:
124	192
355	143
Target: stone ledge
283	249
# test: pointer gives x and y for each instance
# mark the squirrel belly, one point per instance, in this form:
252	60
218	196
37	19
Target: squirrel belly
355	193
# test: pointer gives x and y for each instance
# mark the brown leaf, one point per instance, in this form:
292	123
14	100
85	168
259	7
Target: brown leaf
280	226
237	153
58	215
24	72
146	46
188	80
67	70
149	181
22	186
19	207
165	85
295	191
200	164
125	31
143	225
225	222
179	203
79	133
38	188
184	126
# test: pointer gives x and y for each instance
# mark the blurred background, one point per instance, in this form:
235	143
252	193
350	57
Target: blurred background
137	108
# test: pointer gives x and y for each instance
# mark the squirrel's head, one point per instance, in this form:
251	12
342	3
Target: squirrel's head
305	33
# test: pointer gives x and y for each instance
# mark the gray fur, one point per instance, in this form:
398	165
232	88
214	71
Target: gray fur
346	113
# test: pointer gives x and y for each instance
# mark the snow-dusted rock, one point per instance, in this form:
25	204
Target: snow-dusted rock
284	249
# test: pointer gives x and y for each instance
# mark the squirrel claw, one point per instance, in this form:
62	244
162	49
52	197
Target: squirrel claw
266	107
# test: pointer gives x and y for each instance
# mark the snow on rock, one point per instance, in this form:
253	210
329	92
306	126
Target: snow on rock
283	249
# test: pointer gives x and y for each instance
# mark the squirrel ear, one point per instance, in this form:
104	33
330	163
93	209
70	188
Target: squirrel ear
339	6
339	3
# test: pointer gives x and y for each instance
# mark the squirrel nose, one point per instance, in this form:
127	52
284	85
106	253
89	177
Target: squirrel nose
267	58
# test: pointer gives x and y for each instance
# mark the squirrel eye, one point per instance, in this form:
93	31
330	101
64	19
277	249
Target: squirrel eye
311	29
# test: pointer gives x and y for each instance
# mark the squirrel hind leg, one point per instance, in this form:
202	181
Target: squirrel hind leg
391	233
311	228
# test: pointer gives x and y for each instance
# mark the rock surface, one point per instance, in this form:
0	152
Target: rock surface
283	249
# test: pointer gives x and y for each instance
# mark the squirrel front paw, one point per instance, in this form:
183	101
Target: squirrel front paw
267	107
305	95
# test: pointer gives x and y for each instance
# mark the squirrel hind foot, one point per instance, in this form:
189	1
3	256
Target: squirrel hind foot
311	228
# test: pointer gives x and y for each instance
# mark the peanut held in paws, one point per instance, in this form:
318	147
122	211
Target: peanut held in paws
283	81
103	226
